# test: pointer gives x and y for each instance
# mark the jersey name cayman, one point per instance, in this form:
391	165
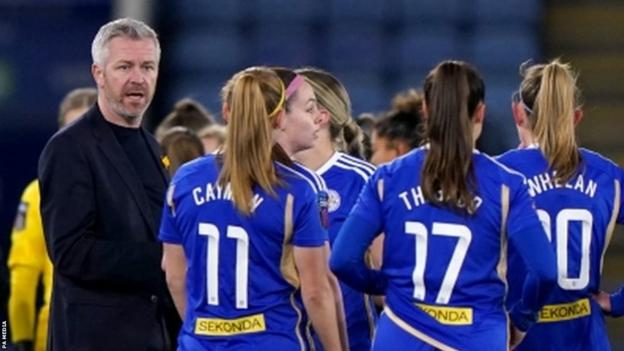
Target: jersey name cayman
210	192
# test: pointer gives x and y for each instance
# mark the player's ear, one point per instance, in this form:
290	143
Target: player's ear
578	116
479	114
225	112
424	110
322	117
401	147
278	121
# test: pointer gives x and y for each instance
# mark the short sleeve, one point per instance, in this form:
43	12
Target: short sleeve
369	204
168	231
307	228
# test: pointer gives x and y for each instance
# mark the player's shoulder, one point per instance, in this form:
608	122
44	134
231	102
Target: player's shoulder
297	174
354	164
492	168
31	192
347	166
518	154
596	160
202	166
404	163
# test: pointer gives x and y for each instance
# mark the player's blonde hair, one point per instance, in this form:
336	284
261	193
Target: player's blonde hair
252	95
332	96
551	97
77	98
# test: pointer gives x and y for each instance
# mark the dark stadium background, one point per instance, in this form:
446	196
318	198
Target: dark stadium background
376	48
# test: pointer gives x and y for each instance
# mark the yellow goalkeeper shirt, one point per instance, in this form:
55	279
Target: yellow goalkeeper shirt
28	261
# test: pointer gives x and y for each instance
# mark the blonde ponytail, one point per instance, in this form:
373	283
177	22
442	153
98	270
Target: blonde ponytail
253	95
552	118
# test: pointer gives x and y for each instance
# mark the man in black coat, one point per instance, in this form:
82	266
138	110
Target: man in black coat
102	188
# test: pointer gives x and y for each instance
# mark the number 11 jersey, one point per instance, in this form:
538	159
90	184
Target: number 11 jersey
241	284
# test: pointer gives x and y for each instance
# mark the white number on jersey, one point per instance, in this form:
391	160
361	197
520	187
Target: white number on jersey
464	236
212	264
563	219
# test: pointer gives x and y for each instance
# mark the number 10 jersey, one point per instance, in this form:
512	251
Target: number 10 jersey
579	217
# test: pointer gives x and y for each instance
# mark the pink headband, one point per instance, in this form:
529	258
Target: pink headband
294	85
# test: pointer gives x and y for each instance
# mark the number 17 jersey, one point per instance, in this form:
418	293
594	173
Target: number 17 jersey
241	284
446	285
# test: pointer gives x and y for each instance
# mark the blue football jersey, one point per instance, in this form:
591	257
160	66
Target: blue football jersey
345	176
241	284
445	268
578	217
318	185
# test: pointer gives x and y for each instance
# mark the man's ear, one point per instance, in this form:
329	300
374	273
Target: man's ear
98	74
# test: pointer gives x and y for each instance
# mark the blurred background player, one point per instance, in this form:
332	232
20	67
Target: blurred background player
366	121
212	137
399	130
578	194
180	145
187	113
447	212
28	259
245	268
338	138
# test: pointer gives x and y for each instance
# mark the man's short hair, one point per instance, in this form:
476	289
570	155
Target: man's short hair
123	27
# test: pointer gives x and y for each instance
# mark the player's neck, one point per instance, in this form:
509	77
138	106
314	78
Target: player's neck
317	156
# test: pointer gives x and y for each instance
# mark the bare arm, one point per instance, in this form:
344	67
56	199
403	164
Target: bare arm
318	296
376	250
376	257
340	310
174	265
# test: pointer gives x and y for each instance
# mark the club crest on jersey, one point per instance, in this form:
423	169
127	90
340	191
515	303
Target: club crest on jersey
333	201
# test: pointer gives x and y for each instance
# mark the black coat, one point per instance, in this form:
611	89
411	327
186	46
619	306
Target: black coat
109	292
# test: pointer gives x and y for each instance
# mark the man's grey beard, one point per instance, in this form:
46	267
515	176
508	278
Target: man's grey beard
121	111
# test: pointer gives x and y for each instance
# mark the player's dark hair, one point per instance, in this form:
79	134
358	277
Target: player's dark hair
453	90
